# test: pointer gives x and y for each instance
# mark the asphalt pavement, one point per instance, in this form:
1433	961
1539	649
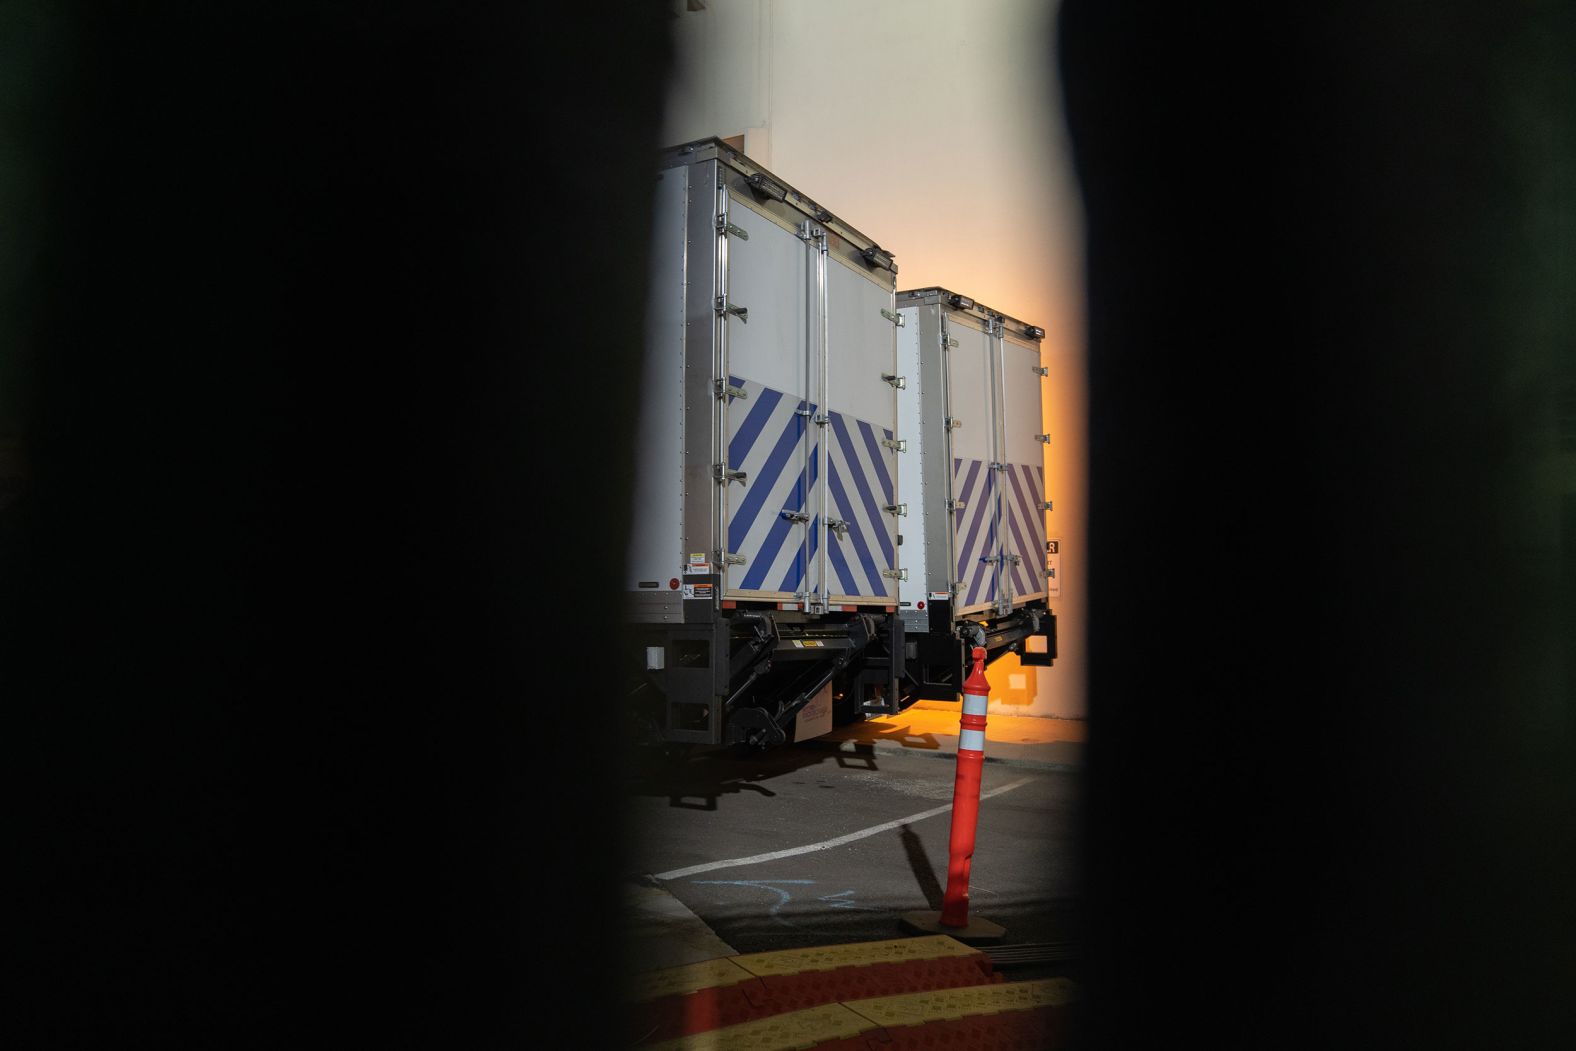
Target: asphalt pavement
833	840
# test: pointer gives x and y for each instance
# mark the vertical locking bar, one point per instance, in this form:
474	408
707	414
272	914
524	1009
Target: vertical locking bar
997	350
810	434
952	521
821	280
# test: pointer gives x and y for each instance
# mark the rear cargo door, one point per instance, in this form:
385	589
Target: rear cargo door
971	395
860	432
768	439
1022	481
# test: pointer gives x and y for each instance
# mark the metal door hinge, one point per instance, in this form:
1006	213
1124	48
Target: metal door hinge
897	381
998	467
795	516
727	229
723	307
951	423
991	560
895	574
1042	370
893	316
1046	438
901	510
726	391
720	472
947	343
875	255
1016	560
901	444
766	188
730	560
839	527
1045	505
956	505
801	412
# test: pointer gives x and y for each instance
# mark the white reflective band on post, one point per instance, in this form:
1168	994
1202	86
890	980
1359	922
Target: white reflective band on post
974	704
973	740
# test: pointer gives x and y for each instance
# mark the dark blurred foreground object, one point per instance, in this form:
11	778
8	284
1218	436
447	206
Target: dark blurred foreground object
305	308
1333	501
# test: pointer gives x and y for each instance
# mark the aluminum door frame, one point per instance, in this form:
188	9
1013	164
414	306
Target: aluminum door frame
861	407
919	398
971	403
754	371
1022	453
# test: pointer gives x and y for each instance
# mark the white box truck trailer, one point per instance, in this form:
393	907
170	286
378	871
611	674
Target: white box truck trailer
763	566
970	411
805	485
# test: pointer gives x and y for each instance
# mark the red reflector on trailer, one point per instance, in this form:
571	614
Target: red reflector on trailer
673	585
920	604
729	604
891	609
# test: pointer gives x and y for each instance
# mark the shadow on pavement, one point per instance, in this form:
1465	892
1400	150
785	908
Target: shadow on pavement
924	872
697	780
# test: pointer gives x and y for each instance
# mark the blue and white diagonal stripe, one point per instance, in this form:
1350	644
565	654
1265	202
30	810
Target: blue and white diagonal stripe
1021	530
767	442
974	486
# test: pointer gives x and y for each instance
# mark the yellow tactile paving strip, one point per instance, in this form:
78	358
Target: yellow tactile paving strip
817	1025
731	970
855	954
690	978
939	1005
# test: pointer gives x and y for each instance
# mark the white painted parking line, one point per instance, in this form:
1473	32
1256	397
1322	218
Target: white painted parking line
863	833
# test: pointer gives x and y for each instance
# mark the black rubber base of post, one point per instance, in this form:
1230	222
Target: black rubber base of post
976	930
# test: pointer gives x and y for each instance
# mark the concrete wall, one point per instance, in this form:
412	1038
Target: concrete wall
930	126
